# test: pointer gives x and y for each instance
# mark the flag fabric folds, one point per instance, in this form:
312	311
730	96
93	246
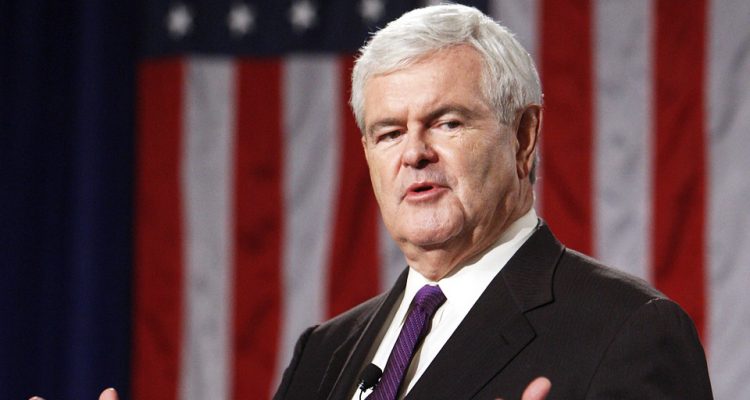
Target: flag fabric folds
254	213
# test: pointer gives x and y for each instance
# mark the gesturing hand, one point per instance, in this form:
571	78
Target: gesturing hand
538	389
107	394
111	394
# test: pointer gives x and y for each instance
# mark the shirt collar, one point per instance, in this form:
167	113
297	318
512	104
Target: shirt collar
463	287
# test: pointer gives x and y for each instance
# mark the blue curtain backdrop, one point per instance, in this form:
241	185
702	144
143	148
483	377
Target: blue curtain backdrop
66	161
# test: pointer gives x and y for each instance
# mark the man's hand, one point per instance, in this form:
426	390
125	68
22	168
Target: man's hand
538	389
111	394
107	394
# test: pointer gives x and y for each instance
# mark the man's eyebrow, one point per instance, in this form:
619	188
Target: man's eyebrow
380	124
464	112
448	109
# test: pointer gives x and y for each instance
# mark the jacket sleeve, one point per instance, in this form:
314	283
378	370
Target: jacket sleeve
286	379
656	355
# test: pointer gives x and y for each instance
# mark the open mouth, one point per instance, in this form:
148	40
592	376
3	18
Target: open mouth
422	188
423	191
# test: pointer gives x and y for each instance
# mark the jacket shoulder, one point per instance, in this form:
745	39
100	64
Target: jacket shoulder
318	347
581	276
603	325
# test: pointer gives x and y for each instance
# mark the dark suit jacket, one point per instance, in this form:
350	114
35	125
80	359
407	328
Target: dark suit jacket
596	333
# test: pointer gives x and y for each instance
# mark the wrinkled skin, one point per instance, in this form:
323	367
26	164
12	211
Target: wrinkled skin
448	175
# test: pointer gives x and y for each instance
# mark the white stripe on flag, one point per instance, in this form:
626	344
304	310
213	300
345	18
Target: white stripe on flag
311	121
622	143
522	18
207	187
728	216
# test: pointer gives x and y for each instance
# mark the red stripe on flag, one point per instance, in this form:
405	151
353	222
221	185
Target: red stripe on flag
566	178
159	232
354	269
680	161
258	203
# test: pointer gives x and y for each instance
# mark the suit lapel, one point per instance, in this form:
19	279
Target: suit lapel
348	360
495	329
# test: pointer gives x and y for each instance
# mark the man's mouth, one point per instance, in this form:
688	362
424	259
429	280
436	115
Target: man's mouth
423	191
422	188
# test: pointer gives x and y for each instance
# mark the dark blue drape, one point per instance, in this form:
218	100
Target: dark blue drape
67	86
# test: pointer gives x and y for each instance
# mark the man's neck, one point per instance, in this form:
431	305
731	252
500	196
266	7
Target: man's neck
439	262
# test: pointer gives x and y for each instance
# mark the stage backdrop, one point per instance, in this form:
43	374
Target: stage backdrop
255	217
67	85
253	213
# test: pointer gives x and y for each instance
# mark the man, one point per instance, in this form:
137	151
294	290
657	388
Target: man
449	105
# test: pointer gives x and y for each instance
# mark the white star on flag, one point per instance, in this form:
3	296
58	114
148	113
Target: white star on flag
371	10
179	20
241	19
302	15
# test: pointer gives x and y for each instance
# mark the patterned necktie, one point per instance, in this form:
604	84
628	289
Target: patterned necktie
423	307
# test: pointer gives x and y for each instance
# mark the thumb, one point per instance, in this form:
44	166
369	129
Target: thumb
108	394
538	389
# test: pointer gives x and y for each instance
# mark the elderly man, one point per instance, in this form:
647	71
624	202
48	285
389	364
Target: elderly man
449	105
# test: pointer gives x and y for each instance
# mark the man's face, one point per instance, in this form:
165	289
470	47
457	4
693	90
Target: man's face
442	166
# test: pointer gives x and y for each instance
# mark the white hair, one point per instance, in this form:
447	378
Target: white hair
509	80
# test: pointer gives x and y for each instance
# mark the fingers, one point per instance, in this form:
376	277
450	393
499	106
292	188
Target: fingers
108	394
538	389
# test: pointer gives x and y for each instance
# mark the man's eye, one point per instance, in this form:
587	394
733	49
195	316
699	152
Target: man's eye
450	125
388	136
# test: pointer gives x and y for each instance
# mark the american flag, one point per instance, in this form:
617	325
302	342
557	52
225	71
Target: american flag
255	215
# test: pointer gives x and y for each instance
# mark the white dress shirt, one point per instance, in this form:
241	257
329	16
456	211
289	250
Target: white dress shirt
462	289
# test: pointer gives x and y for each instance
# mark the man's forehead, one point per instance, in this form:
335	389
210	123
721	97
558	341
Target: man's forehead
448	79
463	50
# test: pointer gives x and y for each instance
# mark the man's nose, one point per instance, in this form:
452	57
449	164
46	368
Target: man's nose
418	151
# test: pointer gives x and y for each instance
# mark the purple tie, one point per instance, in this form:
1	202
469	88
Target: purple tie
423	307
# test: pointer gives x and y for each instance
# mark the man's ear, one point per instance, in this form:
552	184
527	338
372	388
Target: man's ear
527	135
363	139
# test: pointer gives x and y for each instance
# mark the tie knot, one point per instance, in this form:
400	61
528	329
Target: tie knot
429	298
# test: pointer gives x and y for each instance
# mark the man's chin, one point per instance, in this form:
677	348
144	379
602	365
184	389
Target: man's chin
431	240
